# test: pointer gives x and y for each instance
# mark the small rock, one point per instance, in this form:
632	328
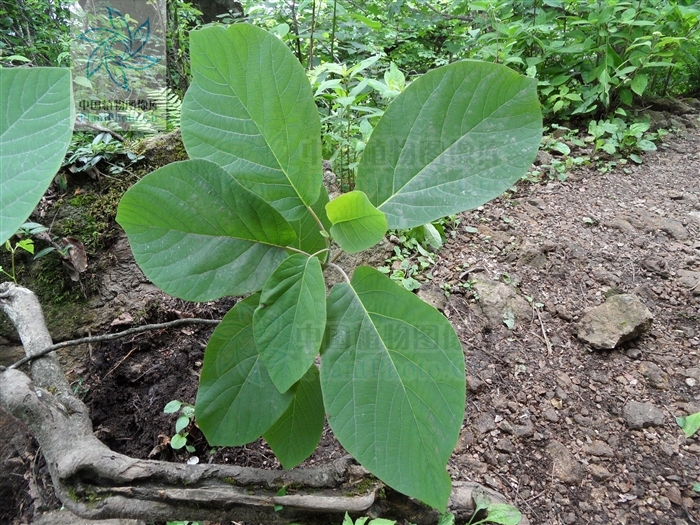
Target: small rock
689	280
640	415
505	426
654	375
532	255
485	424
633	353
551	415
657	265
527	429
565	466
466	439
621	318
474	384
563	313
599	472
622	225
434	296
600	449
674	495
499	301
674	228
505	445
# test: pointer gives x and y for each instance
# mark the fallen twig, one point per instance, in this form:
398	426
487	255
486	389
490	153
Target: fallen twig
110	337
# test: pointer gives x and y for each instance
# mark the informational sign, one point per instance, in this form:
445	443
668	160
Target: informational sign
119	62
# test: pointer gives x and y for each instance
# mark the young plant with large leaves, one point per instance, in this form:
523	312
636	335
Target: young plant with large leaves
248	214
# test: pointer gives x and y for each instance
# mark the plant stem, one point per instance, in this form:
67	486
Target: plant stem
340	270
311	36
335	5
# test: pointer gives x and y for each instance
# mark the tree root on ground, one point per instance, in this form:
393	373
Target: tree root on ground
94	482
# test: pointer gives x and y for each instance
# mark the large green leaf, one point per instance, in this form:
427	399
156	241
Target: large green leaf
199	235
250	110
36	124
237	400
457	137
288	324
357	225
294	437
392	374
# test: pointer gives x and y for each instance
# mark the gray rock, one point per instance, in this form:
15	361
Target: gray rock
474	384
551	415
527	429
505	445
599	472
654	375
532	254
689	280
499	301
565	466
640	415
600	449
485	424
621	318
622	225
434	296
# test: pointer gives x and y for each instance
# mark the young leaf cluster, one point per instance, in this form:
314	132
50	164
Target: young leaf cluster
248	215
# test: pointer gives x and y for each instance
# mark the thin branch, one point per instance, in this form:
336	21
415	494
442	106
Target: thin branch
111	337
544	333
101	129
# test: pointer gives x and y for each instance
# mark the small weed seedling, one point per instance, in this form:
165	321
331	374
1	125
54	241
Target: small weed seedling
690	424
495	512
186	410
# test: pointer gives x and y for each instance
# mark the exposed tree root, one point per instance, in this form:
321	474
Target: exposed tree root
94	482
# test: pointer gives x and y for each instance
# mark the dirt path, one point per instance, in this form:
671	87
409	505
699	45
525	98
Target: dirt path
544	423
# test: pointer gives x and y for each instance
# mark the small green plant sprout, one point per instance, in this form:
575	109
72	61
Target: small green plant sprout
364	520
186	410
690	424
21	244
248	215
696	487
485	511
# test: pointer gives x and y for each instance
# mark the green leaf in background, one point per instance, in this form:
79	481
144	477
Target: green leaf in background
690	424
36	125
639	84
240	109
457	137
199	235
288	323
357	225
392	375
237	401
295	435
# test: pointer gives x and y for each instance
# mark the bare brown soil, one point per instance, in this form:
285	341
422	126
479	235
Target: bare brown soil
544	422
